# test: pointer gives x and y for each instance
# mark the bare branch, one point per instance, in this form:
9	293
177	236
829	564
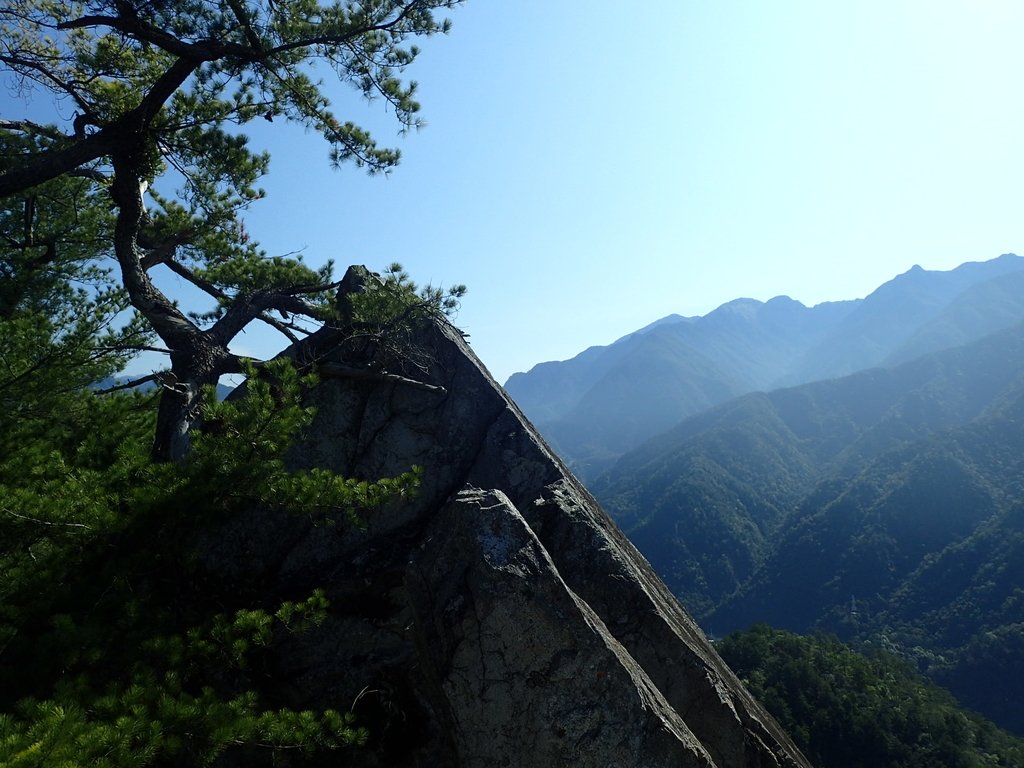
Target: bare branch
134	348
167	320
199	282
131	384
338	371
248	307
283	328
247	29
133	26
163	252
90	173
36	520
44	73
257	304
56	163
27	126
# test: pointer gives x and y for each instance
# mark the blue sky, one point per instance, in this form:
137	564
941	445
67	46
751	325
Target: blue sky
591	166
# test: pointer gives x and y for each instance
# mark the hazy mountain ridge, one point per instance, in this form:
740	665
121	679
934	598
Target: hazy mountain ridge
775	447
676	378
981	309
890	317
601	403
887	502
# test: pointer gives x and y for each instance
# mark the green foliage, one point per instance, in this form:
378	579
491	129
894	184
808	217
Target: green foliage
151	147
242	447
250	62
63	319
846	710
186	74
162	710
383	318
115	648
398	301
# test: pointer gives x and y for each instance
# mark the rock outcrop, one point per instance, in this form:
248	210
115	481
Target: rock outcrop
499	617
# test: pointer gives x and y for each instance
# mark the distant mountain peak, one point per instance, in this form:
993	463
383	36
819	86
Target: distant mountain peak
608	399
744	307
667	320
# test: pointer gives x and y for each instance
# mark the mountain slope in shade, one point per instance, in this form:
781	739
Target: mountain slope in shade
608	400
887	500
923	547
703	500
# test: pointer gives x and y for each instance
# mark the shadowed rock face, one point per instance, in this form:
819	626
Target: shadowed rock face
499	618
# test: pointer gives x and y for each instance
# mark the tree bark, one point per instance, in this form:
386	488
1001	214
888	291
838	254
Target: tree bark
181	398
196	357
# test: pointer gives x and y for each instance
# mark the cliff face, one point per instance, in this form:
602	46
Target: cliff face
499	617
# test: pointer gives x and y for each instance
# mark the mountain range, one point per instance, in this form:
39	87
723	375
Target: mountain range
887	505
853	467
608	400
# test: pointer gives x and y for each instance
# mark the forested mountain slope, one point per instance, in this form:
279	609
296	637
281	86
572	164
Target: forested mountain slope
850	709
608	400
887	502
736	470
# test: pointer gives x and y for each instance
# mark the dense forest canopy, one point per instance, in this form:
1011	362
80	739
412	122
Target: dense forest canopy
849	710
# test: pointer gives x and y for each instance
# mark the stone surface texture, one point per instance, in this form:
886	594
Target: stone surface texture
499	617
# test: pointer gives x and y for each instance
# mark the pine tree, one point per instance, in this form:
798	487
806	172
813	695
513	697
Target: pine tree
114	649
160	91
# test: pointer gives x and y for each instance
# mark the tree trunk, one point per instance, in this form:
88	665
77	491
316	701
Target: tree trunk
178	402
182	398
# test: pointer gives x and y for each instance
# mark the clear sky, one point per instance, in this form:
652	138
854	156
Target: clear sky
591	166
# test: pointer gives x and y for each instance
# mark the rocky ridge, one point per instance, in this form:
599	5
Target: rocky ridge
498	617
